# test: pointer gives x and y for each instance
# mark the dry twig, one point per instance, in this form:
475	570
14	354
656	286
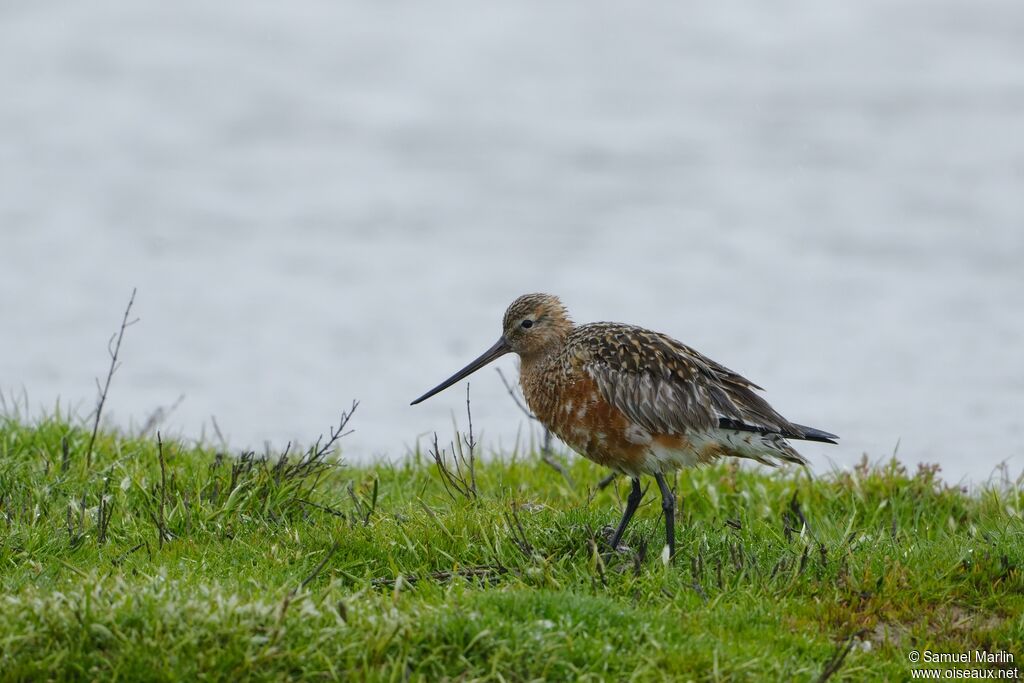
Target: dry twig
460	477
515	526
161	523
104	512
290	595
113	348
157	417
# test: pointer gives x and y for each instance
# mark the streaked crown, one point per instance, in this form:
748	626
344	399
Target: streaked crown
535	322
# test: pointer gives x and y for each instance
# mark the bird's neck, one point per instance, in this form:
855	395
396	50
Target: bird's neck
538	361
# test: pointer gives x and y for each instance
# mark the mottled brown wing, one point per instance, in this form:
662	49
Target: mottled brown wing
667	387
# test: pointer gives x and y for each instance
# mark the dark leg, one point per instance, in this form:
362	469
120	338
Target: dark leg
668	504
631	505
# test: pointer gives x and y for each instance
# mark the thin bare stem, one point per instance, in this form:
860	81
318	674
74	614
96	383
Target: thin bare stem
335	433
65	454
312	464
325	508
515	526
114	349
319	568
471	443
453	477
515	397
157	417
104	513
161	524
460	476
290	595
216	430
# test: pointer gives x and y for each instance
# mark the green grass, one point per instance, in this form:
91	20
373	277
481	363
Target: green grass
320	571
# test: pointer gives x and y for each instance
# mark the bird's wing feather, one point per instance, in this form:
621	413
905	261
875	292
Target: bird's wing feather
667	387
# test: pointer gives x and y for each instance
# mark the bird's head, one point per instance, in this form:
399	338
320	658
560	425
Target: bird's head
533	324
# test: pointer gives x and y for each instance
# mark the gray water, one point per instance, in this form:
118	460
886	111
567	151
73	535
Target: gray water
327	201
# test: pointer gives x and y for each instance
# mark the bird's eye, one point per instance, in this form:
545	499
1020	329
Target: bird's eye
526	324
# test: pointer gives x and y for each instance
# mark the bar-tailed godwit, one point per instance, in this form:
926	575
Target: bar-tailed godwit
636	401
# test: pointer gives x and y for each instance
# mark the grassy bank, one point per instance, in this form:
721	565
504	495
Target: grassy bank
164	561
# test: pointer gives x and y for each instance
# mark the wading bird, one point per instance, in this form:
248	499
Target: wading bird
634	400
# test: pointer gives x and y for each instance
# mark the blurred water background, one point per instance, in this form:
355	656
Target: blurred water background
321	201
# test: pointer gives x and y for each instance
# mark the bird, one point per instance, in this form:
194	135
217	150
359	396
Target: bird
636	401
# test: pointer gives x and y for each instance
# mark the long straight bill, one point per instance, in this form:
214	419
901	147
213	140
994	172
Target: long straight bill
499	349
